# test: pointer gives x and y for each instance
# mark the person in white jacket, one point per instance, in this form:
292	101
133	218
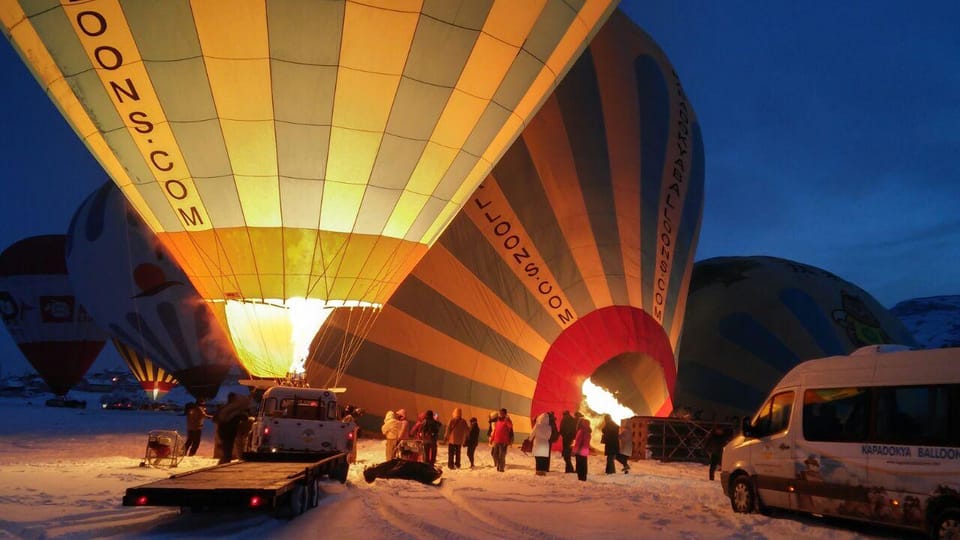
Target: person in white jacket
391	431
540	435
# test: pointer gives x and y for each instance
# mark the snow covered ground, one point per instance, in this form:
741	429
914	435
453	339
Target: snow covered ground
63	473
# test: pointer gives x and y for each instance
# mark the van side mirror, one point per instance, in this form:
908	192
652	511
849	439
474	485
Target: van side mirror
745	428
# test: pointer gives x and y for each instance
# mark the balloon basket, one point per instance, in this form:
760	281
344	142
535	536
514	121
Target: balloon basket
164	449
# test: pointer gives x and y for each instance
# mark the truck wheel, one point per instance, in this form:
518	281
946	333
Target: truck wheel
742	495
947	525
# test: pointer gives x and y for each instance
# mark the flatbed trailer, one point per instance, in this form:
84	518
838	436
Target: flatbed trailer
281	484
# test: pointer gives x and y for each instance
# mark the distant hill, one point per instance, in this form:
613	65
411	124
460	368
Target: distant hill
934	321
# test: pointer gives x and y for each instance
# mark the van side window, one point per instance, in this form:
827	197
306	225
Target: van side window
835	414
914	415
774	416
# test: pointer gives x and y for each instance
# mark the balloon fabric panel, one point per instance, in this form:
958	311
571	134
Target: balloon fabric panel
751	319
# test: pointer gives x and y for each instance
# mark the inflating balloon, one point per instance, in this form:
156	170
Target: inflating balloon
569	262
298	156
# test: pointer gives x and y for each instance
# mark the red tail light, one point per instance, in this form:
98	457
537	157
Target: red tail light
255	501
350	435
266	430
142	500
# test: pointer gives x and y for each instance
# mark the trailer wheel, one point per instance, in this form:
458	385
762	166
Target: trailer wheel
313	493
298	500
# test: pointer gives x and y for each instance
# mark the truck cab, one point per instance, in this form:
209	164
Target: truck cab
300	423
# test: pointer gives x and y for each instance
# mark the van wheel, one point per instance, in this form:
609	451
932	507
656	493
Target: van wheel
743	498
947	525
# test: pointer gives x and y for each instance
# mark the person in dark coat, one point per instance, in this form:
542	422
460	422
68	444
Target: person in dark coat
228	420
714	443
568	431
473	439
610	438
428	433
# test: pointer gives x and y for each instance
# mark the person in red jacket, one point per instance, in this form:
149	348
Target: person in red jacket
501	437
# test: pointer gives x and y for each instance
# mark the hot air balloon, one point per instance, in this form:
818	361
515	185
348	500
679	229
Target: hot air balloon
751	319
298	156
152	378
134	289
569	262
44	318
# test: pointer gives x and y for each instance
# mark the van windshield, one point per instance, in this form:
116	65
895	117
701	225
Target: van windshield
774	416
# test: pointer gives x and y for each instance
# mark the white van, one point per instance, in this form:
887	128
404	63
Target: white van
874	436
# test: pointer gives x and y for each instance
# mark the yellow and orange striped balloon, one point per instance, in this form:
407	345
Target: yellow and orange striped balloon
298	149
571	260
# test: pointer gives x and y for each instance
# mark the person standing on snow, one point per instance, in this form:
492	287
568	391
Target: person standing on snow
228	420
457	432
568	430
473	439
196	413
581	448
626	448
428	433
610	437
391	432
501	437
540	435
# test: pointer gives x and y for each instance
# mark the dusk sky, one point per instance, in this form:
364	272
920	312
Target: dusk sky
830	130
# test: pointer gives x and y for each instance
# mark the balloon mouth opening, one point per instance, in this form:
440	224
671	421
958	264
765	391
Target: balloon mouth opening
272	337
629	384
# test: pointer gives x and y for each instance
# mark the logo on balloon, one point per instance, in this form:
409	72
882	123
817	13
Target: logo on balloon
151	280
56	309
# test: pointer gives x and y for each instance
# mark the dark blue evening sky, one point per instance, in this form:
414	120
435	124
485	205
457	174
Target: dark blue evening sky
830	129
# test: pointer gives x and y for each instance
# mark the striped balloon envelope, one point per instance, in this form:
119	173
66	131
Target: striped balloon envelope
751	319
152	378
571	260
299	155
137	292
45	319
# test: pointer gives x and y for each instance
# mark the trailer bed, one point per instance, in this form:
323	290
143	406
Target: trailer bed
251	484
